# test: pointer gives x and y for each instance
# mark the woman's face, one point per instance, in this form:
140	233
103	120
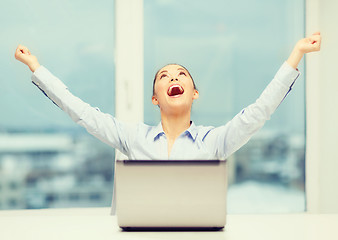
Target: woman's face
174	90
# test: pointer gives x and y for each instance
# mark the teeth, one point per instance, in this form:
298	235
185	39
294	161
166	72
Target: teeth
173	87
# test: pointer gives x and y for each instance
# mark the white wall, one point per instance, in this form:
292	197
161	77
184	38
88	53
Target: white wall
322	109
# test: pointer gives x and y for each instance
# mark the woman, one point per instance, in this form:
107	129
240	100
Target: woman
176	136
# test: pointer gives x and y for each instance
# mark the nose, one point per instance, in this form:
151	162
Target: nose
174	79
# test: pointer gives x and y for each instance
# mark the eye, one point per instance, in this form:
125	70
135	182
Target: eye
163	75
182	73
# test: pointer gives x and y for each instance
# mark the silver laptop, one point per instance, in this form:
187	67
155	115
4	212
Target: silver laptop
171	194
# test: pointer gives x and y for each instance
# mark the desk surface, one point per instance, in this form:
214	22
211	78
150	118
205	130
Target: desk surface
96	223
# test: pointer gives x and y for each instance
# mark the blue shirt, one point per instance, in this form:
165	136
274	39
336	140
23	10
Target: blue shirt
141	141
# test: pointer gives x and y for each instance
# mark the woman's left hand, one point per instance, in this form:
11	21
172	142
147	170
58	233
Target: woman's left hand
310	44
305	45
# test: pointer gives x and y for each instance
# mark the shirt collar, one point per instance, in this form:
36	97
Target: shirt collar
192	130
158	131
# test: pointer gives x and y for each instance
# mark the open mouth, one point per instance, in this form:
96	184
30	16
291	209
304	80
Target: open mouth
175	90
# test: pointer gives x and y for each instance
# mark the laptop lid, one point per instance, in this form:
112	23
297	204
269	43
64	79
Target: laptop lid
171	193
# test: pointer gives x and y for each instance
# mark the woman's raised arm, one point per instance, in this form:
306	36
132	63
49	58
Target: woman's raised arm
103	126
230	137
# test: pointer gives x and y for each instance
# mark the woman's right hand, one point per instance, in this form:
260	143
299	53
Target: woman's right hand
23	54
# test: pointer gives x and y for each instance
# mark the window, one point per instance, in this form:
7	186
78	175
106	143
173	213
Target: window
95	196
233	49
12	203
13	186
39	142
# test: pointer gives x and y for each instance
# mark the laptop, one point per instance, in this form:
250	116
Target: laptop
171	194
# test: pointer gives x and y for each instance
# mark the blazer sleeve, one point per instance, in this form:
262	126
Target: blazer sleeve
101	125
229	138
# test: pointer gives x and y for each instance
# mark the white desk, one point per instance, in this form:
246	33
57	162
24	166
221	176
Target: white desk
96	223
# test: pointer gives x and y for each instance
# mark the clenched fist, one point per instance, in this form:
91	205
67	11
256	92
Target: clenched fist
310	44
305	45
23	54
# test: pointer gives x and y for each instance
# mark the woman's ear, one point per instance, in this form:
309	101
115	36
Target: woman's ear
196	94
154	100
